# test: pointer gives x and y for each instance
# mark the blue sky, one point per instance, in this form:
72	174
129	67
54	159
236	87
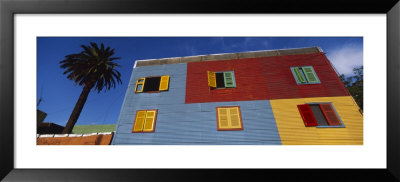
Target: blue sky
60	94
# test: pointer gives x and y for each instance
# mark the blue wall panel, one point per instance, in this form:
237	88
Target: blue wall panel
190	124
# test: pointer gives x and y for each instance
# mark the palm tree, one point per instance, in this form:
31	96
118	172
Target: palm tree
92	68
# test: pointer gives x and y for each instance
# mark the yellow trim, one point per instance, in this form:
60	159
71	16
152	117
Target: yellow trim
139	121
164	83
140	83
149	123
212	80
293	132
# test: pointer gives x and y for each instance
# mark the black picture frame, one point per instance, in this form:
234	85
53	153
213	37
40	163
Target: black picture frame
8	8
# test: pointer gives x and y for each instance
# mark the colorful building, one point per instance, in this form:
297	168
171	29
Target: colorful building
273	97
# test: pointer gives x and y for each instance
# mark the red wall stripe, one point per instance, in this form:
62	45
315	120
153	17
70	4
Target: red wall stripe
263	79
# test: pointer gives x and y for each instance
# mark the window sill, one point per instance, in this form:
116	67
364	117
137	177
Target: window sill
143	131
230	129
308	83
222	88
148	92
342	126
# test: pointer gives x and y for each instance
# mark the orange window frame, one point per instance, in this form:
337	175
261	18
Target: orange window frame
229	129
154	125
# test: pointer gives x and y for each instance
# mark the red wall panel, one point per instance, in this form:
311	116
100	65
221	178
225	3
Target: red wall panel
263	79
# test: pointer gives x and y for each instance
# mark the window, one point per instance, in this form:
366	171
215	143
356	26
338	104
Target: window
305	75
152	84
145	121
229	118
320	115
221	79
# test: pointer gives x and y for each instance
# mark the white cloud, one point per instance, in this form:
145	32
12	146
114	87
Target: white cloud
346	58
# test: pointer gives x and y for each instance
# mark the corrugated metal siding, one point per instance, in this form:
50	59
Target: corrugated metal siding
180	123
263	79
293	132
282	85
247	76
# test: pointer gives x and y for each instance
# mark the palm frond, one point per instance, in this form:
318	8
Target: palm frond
93	66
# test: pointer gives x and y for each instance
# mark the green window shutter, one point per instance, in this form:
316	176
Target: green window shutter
298	76
228	79
310	74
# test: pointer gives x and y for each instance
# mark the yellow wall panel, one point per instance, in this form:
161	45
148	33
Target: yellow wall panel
293	132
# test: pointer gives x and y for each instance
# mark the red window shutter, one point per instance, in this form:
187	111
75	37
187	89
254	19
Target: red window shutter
330	114
307	115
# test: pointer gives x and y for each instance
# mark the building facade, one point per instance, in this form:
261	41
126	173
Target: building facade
274	97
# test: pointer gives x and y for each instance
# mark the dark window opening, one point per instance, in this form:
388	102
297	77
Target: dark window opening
152	84
220	80
319	116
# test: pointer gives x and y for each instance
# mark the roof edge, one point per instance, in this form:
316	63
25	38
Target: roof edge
227	56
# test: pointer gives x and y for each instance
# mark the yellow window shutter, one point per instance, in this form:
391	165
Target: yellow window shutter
139	85
234	117
212	81
223	119
150	120
229	118
139	121
164	82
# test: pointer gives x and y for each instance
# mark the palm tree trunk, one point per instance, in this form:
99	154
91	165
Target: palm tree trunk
77	109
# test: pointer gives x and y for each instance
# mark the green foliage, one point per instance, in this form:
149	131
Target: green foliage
93	67
354	85
83	129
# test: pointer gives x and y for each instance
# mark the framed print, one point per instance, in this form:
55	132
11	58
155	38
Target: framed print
373	156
